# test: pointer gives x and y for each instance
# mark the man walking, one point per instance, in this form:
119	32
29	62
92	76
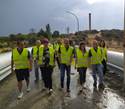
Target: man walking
23	65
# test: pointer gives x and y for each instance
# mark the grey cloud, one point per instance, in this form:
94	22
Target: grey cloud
21	15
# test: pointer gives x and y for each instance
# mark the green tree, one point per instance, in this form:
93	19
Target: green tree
56	33
48	31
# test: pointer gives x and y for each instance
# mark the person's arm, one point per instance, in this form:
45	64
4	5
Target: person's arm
106	55
75	59
32	53
30	61
54	59
89	57
12	63
59	54
71	58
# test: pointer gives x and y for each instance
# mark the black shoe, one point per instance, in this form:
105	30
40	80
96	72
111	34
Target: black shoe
95	85
68	90
101	86
36	80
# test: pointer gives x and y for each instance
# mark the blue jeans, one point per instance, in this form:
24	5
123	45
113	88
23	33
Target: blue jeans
63	68
97	69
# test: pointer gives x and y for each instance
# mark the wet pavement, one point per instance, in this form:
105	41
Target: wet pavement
109	98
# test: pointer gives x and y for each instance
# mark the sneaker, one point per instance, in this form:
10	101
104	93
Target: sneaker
68	90
28	89
101	86
80	89
51	91
36	80
20	95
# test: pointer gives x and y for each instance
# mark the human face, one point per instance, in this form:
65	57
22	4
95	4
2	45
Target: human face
66	43
82	47
95	44
20	45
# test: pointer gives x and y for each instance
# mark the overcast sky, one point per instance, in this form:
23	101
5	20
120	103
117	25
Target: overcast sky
18	16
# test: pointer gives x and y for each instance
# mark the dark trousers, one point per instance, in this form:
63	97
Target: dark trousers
58	63
46	73
104	63
63	68
82	75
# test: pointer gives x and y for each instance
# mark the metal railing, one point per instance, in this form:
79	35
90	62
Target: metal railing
5	71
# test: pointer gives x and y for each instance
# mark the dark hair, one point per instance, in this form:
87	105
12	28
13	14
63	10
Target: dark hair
82	43
103	43
19	42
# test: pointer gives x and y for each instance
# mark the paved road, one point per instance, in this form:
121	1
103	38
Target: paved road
89	99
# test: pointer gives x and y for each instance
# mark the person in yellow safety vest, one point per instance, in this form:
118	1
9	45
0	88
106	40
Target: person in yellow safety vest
47	62
66	53
57	46
104	57
23	65
95	54
82	62
35	59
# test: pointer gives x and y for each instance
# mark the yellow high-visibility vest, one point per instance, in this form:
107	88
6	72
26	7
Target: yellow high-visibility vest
40	55
20	60
51	52
82	59
56	47
66	54
35	50
96	56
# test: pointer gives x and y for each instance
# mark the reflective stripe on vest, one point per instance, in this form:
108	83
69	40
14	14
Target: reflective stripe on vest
96	56
20	60
35	50
82	59
66	54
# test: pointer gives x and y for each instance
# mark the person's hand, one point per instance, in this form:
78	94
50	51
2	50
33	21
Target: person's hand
30	69
54	66
68	64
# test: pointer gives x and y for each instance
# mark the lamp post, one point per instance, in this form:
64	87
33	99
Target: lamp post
76	19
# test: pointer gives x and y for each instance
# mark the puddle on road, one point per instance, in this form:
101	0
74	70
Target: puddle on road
113	101
90	99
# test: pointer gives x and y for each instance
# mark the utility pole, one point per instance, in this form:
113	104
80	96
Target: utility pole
90	22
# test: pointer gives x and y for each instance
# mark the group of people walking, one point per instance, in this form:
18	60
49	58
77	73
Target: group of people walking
45	56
